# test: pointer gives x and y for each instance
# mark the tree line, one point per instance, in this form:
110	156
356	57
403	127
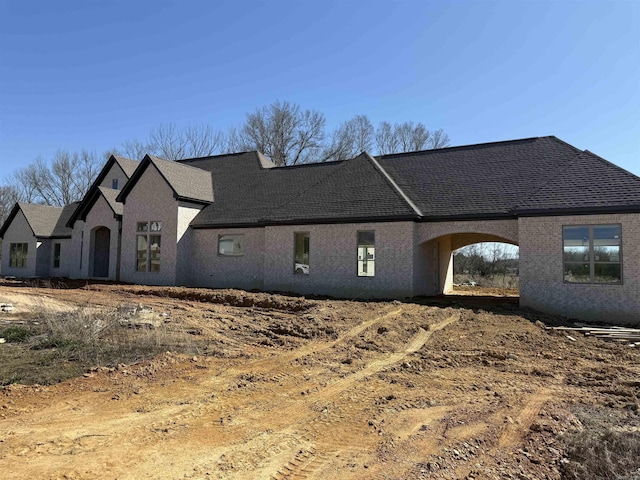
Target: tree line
283	131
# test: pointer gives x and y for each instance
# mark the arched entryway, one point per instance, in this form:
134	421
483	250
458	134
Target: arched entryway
437	242
100	246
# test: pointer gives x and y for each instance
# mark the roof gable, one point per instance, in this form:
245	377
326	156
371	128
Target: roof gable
127	166
44	221
187	182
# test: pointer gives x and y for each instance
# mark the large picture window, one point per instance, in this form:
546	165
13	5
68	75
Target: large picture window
231	245
592	253
301	253
148	243
18	253
366	254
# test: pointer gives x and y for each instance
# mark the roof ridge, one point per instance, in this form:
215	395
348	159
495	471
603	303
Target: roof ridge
393	184
545	182
463	147
207	157
154	158
604	160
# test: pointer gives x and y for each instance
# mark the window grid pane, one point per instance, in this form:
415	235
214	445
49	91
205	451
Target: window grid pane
366	253
141	258
592	254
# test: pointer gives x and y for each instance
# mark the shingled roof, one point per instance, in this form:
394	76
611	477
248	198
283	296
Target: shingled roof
127	165
188	183
249	192
44	221
541	176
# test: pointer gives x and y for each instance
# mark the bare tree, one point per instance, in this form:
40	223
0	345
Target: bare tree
8	198
350	139
284	132
438	139
386	142
173	143
65	180
134	149
408	137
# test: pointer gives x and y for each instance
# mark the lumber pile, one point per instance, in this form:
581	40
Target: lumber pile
630	336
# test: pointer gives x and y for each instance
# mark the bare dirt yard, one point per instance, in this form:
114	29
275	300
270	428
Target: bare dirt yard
227	384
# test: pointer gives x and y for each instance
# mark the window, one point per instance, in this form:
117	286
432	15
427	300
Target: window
366	254
56	255
301	253
592	253
231	245
18	253
148	243
114	183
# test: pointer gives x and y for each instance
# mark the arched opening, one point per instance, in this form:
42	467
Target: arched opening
100	246
486	268
435	267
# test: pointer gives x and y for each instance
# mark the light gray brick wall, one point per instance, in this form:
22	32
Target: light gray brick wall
19	232
151	199
333	260
542	284
115	172
208	269
184	253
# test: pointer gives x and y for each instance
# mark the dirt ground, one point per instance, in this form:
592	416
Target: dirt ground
291	388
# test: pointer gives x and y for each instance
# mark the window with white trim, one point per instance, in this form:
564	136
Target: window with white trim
148	243
231	245
366	253
592	253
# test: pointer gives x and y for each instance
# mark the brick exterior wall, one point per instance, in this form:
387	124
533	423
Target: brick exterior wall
150	200
208	269
19	232
542	284
333	260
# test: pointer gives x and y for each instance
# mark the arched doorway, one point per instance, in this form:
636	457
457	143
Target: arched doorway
433	268
100	246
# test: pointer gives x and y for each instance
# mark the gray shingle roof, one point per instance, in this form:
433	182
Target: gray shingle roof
509	178
110	195
48	221
187	182
127	165
248	193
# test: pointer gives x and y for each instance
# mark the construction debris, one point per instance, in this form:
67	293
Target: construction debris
630	336
6	307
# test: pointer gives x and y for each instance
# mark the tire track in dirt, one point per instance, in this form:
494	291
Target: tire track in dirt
516	431
316	401
294	429
415	344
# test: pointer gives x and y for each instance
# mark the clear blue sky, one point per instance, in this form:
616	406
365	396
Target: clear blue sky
92	74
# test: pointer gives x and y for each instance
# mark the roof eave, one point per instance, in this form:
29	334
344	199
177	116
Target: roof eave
554	212
307	221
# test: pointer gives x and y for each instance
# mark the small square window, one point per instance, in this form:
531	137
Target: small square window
231	245
114	183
